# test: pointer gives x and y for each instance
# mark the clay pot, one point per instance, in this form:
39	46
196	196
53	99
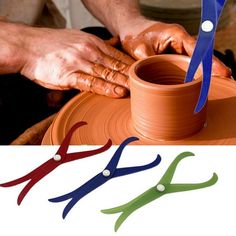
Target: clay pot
162	105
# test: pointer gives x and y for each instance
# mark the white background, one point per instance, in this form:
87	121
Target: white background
209	211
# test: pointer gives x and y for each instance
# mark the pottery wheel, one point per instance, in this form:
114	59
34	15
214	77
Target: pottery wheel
111	118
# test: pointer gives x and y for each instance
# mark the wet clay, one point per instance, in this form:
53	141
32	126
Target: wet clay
134	45
155	39
162	105
111	118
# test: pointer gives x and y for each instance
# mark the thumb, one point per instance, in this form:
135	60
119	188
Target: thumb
220	69
114	41
142	51
189	45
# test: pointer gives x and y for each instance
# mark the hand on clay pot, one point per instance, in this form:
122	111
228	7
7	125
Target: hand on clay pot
64	59
146	38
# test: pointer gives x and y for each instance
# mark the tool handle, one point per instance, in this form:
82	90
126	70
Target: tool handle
66	141
111	166
80	192
203	51
79	155
207	66
128	208
168	176
187	187
204	38
130	170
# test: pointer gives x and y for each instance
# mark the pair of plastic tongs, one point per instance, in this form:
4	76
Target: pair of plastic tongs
163	187
110	171
203	52
58	159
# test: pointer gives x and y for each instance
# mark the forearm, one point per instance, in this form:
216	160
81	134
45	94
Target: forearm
12	47
115	14
26	11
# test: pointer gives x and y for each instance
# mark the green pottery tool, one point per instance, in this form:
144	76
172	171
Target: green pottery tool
164	186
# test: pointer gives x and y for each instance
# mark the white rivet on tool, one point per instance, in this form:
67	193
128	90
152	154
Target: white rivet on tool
161	188
106	173
57	157
207	26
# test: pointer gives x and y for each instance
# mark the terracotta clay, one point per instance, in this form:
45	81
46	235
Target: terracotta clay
162	105
111	118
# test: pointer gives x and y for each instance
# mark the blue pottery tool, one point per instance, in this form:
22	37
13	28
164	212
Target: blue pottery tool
163	187
203	52
110	171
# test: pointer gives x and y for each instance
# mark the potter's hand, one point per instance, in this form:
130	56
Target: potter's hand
147	38
65	59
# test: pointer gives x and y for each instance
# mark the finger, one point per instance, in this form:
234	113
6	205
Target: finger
99	57
106	68
110	75
113	64
220	69
99	53
114	41
118	55
143	51
90	83
189	45
181	41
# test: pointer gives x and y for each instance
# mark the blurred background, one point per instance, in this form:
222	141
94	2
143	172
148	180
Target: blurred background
76	14
184	12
